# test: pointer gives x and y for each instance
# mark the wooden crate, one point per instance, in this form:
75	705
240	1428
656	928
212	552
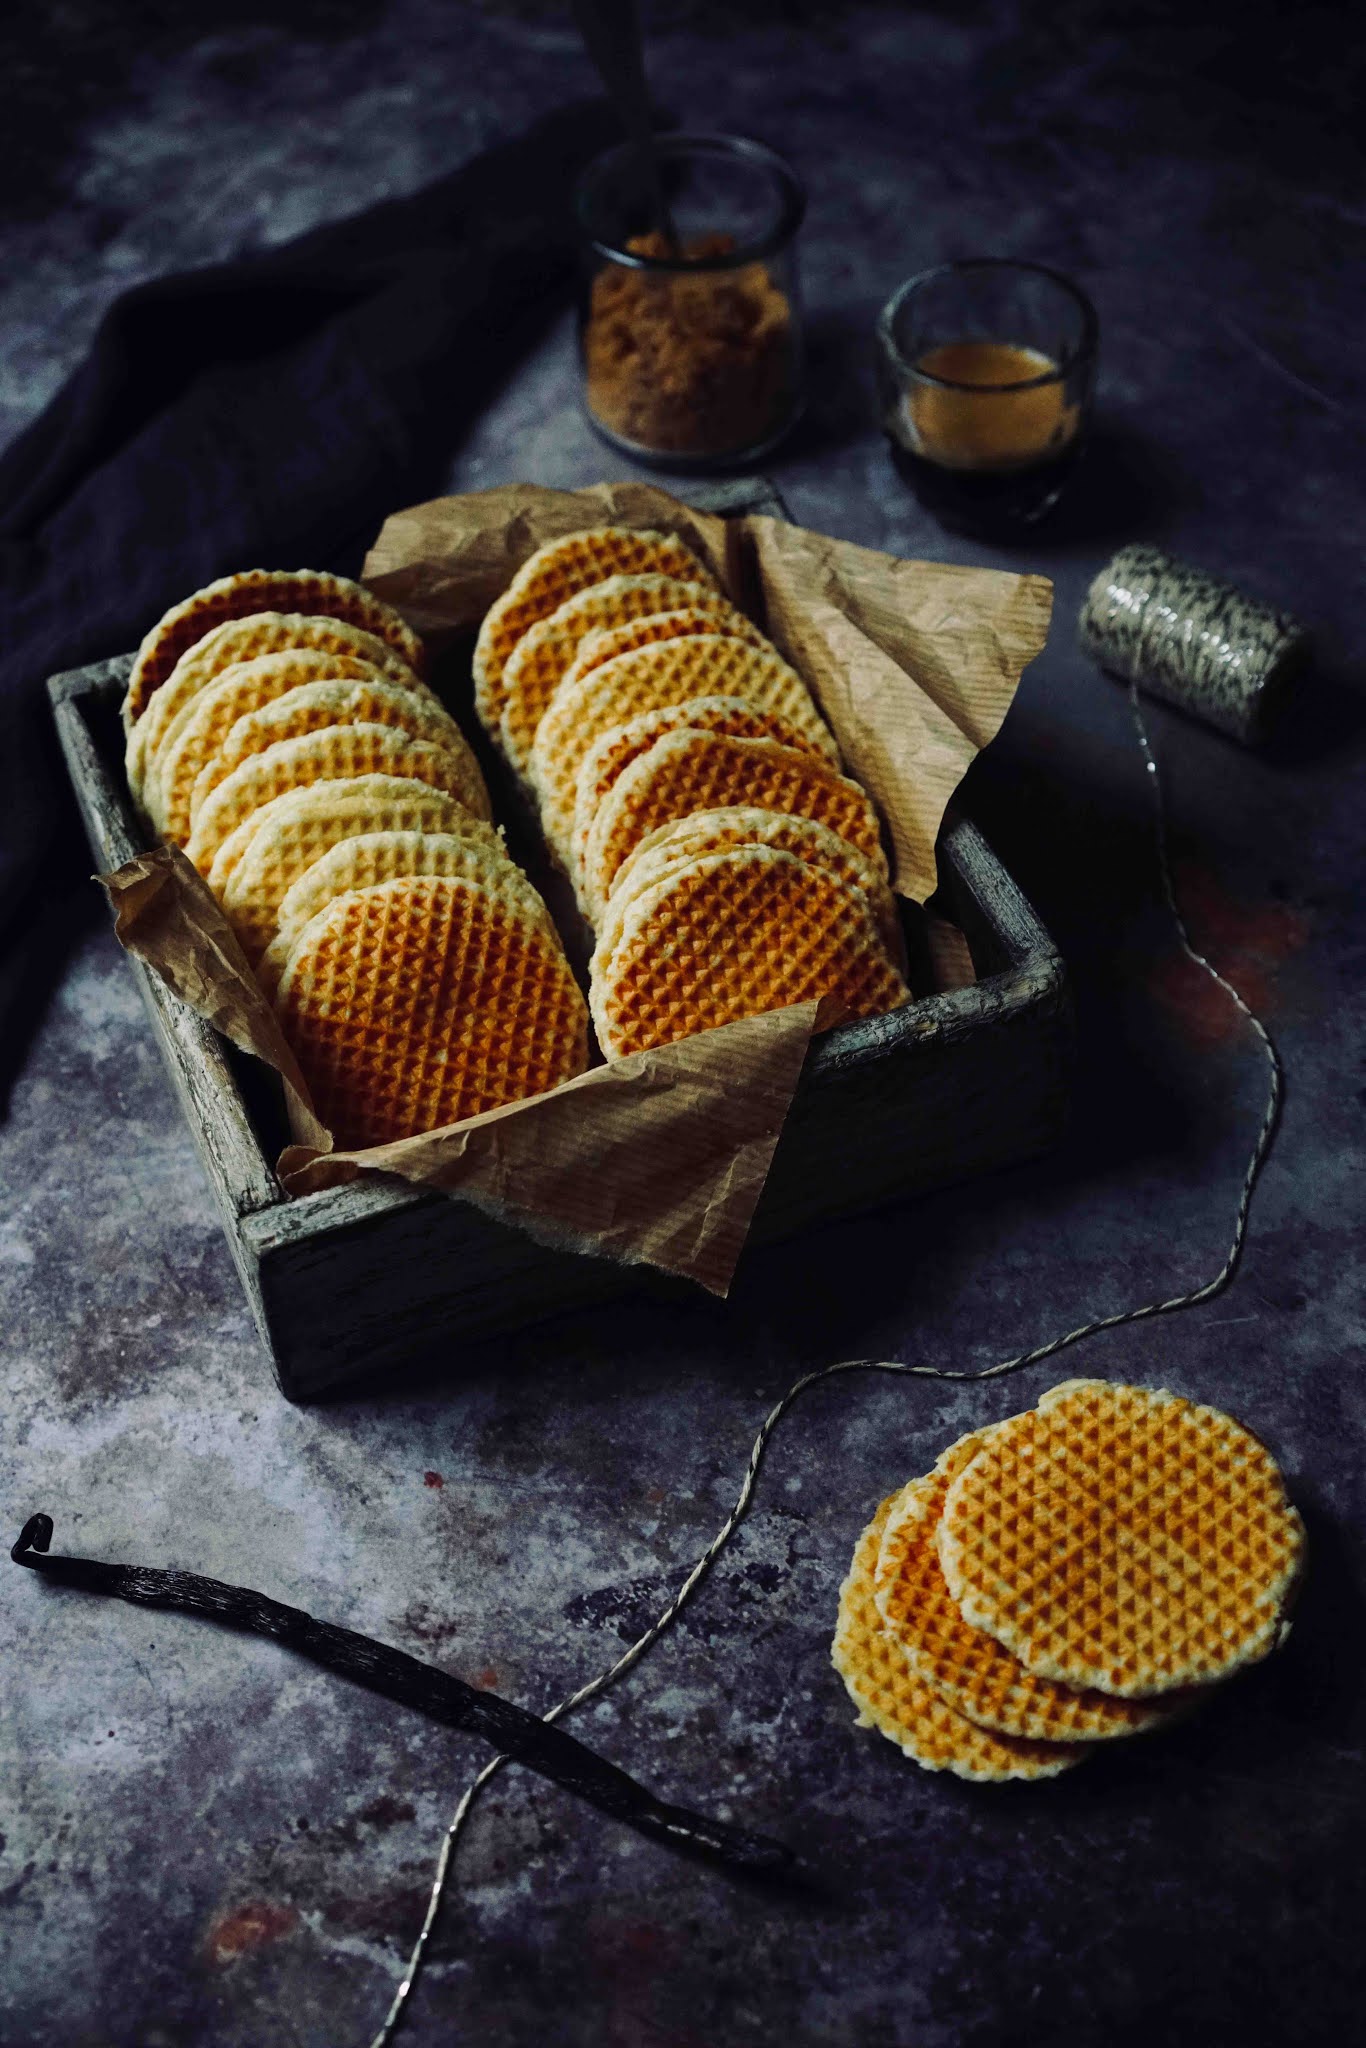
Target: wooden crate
351	1282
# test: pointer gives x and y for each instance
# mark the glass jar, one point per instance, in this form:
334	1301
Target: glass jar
690	324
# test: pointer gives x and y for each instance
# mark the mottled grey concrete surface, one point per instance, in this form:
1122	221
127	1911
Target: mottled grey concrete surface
206	1844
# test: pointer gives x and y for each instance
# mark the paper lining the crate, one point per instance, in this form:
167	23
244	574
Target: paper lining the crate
660	1158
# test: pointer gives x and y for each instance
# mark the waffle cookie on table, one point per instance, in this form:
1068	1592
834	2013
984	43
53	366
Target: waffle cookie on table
1081	1572
339	816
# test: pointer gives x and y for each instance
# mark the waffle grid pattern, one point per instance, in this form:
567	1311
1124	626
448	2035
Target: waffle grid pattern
595	649
1123	1538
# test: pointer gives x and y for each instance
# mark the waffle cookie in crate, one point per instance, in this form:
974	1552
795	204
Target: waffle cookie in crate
891	1698
381	856
311	591
967	1667
702	832
557	571
423	1000
198	737
1123	1538
621	744
689	771
335	753
311	706
732	935
544	654
277	844
667	672
240	640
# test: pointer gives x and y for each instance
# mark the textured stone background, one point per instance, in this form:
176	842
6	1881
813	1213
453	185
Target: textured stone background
204	1843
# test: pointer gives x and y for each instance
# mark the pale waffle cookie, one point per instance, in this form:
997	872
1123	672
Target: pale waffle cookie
379	857
543	655
261	590
371	701
246	640
703	771
964	1665
288	834
731	935
557	571
702	832
668	672
904	1708
622	744
168	789
424	1000
1123	1538
719	616
333	754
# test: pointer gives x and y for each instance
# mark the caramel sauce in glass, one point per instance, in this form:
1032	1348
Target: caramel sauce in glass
966	424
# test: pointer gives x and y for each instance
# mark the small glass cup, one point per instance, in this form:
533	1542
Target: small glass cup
692	346
985	375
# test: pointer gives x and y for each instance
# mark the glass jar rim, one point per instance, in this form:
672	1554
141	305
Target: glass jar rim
1082	352
757	155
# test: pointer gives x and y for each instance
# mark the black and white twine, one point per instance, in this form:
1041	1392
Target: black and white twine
1215	1286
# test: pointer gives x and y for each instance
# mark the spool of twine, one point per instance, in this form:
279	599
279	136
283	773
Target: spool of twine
1192	639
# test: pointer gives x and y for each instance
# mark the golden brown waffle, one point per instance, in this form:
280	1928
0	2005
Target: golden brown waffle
606	644
261	590
964	1665
1123	1538
380	856
910	1713
424	1000
621	744
313	705
731	935
334	754
296	829
546	650
668	672
168	789
246	640
557	571
701	771
702	832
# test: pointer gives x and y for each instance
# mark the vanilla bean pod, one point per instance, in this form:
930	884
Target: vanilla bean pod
519	1735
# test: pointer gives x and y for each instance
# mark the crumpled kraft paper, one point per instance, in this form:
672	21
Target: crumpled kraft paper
660	1158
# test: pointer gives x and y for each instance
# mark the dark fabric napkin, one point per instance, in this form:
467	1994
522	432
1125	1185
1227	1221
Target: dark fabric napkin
268	412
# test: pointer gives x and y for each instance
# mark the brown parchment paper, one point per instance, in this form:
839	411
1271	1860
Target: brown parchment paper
660	1158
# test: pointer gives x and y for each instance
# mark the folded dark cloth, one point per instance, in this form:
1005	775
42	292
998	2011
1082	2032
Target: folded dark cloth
265	412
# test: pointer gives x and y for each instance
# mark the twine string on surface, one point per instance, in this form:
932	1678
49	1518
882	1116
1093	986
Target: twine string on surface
595	1687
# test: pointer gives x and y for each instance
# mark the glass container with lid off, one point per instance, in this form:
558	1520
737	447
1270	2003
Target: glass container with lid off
690	334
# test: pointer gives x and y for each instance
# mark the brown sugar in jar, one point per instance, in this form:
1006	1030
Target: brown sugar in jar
700	360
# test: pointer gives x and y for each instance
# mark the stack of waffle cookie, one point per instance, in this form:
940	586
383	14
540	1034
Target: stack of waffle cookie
280	731
1072	1575
689	786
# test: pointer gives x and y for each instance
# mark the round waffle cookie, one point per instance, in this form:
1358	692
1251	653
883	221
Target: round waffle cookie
732	935
168	789
246	640
333	702
707	771
910	1713
295	830
1123	1538
333	754
610	641
668	672
557	571
424	1000
621	744
380	856
261	590
539	661
703	832
964	1665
